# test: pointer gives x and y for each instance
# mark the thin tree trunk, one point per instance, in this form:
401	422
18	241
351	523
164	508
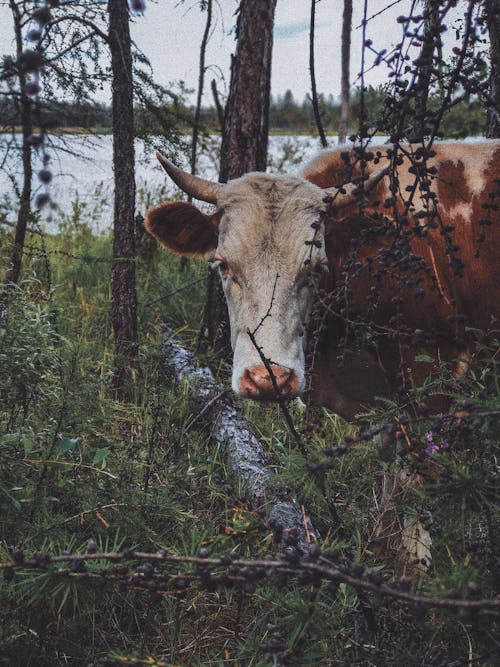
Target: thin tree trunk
493	21
314	92
201	82
245	136
430	40
345	84
246	122
124	300
25	104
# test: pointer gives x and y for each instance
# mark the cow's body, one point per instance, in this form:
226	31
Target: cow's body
391	292
442	302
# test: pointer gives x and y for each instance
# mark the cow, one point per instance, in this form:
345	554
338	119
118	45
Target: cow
390	252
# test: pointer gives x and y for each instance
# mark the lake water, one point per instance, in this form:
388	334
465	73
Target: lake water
83	174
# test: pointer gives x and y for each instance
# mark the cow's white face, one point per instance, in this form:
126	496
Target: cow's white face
267	240
270	253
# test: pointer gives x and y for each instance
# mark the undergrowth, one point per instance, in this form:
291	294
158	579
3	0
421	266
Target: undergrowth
79	467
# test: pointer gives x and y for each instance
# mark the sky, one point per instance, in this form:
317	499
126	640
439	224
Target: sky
170	32
173	44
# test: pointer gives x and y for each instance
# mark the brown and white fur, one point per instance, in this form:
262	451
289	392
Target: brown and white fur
270	233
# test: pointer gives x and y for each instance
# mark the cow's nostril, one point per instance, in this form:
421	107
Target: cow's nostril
256	382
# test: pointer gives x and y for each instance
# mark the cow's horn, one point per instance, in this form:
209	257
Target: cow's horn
350	193
192	185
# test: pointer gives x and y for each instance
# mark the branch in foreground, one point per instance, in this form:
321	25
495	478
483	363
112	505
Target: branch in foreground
227	570
281	400
247	461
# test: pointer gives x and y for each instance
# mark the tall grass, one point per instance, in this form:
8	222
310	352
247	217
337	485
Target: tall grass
76	465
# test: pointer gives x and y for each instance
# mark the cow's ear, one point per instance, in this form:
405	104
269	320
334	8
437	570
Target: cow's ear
183	228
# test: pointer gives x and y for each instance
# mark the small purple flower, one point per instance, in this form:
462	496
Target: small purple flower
433	447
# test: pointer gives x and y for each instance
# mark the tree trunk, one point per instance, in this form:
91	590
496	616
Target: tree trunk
345	84
245	136
25	104
201	82
314	92
124	300
431	39
493	21
246	121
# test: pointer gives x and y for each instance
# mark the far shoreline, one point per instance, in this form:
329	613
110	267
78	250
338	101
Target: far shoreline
275	132
93	131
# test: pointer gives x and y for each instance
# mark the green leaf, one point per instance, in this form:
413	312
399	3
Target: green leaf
100	456
66	445
14	501
424	358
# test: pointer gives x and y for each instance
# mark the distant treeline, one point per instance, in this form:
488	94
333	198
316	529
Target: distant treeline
286	114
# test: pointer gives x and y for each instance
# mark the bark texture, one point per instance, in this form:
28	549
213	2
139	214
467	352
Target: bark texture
246	121
345	83
25	106
124	300
244	139
247	462
493	20
431	40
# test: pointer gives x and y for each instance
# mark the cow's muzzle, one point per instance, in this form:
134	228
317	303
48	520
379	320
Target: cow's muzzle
257	383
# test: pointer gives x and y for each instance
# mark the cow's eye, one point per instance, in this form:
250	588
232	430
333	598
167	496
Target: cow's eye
223	268
221	264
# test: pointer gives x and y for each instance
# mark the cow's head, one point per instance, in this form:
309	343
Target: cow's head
266	238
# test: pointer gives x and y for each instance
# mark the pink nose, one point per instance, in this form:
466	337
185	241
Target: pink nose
257	383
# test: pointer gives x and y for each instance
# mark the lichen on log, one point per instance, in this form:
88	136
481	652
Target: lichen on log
245	455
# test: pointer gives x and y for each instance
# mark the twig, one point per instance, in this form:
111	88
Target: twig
323	569
304	518
201	81
314	92
64	463
218	105
91	511
279	397
206	407
268	312
175	291
268	365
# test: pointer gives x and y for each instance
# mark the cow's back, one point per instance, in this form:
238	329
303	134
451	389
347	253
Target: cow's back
451	280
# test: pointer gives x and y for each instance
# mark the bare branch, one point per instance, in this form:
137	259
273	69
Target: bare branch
320	567
201	81
314	92
218	105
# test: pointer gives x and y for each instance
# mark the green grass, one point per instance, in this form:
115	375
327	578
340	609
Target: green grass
73	465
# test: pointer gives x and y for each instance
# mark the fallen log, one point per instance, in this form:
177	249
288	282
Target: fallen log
247	461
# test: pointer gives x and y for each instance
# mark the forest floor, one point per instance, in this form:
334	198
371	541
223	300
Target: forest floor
80	466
